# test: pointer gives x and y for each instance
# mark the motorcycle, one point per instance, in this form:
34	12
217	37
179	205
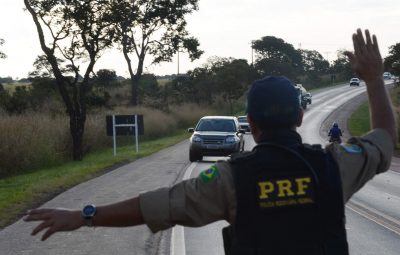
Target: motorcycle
335	140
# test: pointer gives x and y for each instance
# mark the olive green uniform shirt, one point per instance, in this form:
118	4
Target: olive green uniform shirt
200	201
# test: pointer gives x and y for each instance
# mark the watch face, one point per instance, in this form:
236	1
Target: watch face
89	210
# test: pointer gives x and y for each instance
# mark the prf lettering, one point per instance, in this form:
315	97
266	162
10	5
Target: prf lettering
285	187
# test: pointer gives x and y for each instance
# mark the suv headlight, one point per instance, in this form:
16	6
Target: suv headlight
230	139
196	139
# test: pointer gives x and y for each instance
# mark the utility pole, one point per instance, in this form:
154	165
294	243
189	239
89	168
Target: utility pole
178	62
327	55
252	53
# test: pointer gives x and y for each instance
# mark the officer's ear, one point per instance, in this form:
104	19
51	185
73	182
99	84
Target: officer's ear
300	118
255	131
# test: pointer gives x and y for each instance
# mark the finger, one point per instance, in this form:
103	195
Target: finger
360	40
41	226
368	38
38	211
360	36
48	233
350	55
356	45
375	45
36	217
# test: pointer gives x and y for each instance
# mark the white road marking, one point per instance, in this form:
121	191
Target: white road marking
178	235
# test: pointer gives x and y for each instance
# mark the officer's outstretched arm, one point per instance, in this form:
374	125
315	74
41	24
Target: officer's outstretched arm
366	61
120	214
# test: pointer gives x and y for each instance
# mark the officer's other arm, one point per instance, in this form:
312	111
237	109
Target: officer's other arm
193	202
121	214
366	61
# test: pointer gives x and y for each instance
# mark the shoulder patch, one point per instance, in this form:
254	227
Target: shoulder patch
351	148
209	174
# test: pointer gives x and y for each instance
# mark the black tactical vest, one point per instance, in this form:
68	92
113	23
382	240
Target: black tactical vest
289	201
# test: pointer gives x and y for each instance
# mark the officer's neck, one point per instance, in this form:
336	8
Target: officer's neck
282	135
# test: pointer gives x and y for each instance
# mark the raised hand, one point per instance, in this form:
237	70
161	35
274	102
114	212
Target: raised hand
366	60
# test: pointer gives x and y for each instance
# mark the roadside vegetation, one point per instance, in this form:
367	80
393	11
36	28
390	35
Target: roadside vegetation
359	122
21	192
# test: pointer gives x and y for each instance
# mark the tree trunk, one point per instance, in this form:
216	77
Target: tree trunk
134	90
77	125
230	105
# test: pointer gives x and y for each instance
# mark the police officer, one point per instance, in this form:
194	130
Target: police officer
284	197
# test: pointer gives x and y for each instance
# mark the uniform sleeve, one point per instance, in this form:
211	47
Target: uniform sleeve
193	202
361	158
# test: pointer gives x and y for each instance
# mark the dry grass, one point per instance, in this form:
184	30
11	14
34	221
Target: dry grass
36	140
10	87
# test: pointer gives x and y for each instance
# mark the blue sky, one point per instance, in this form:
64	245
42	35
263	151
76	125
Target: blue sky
225	28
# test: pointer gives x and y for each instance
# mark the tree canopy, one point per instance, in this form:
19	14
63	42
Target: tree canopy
392	61
72	33
276	57
2	55
154	27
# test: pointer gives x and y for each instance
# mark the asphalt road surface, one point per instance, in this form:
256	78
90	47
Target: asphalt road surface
372	216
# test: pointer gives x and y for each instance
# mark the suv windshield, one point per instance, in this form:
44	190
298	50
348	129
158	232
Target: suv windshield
219	125
242	119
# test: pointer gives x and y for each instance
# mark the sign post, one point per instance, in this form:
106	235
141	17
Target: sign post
123	125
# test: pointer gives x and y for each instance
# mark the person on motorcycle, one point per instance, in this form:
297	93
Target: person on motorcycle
335	133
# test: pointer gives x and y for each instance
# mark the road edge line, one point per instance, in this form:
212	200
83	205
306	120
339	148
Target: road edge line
178	236
376	216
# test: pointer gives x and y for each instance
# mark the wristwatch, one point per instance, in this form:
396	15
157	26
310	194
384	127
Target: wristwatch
88	212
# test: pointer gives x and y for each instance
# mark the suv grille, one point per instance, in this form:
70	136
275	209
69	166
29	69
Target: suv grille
213	140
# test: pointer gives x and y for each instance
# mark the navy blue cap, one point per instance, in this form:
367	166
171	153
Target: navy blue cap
273	102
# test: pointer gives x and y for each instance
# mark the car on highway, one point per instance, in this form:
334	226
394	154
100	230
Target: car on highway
304	96
387	76
215	136
307	97
243	124
354	82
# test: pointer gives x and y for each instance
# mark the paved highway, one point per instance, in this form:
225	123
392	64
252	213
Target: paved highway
372	217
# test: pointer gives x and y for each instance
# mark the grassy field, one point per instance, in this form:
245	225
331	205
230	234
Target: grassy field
359	121
21	192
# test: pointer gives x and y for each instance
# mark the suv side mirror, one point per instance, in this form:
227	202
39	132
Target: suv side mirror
190	130
242	131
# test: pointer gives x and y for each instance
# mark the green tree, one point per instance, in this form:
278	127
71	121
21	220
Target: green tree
314	65
313	61
203	80
276	57
392	61
104	78
148	86
154	27
42	90
232	78
2	55
341	66
76	31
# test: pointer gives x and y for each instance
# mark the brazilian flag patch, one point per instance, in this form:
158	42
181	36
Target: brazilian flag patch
351	148
209	174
